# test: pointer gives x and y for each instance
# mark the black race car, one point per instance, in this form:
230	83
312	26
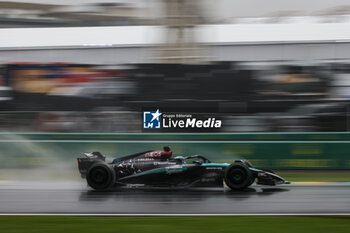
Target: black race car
159	169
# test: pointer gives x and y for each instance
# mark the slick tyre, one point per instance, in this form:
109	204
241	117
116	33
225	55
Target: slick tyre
101	176
238	176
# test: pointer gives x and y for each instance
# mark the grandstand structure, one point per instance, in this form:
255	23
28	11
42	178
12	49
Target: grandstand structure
137	44
120	34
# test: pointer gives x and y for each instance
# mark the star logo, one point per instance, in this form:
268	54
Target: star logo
152	119
156	115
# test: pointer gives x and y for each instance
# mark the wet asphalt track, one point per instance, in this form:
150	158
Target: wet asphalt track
76	198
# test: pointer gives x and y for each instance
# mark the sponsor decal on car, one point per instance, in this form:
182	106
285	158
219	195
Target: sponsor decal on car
177	169
213	168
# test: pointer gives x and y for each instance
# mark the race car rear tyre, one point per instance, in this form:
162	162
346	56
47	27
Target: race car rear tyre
101	176
238	176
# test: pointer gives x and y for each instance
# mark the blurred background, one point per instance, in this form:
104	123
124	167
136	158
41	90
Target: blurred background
93	66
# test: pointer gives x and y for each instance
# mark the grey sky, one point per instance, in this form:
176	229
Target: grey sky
221	9
263	7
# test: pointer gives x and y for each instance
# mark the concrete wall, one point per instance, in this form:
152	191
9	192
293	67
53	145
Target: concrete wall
145	54
136	44
116	55
281	52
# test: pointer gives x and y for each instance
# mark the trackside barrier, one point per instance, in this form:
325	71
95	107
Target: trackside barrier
269	150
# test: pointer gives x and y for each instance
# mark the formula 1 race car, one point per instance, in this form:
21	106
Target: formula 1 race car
158	169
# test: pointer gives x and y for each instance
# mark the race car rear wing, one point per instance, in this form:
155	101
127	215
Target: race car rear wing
91	158
95	155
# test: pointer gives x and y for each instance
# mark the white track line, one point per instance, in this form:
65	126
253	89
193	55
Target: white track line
169	215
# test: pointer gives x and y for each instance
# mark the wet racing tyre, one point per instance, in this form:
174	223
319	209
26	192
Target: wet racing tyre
238	176
101	176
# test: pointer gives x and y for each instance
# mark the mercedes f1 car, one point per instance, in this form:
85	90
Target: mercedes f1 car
159	169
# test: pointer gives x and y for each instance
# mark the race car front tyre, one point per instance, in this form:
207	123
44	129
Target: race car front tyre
238	176
245	162
101	176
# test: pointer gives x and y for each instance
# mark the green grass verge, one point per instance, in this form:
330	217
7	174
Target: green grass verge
219	224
